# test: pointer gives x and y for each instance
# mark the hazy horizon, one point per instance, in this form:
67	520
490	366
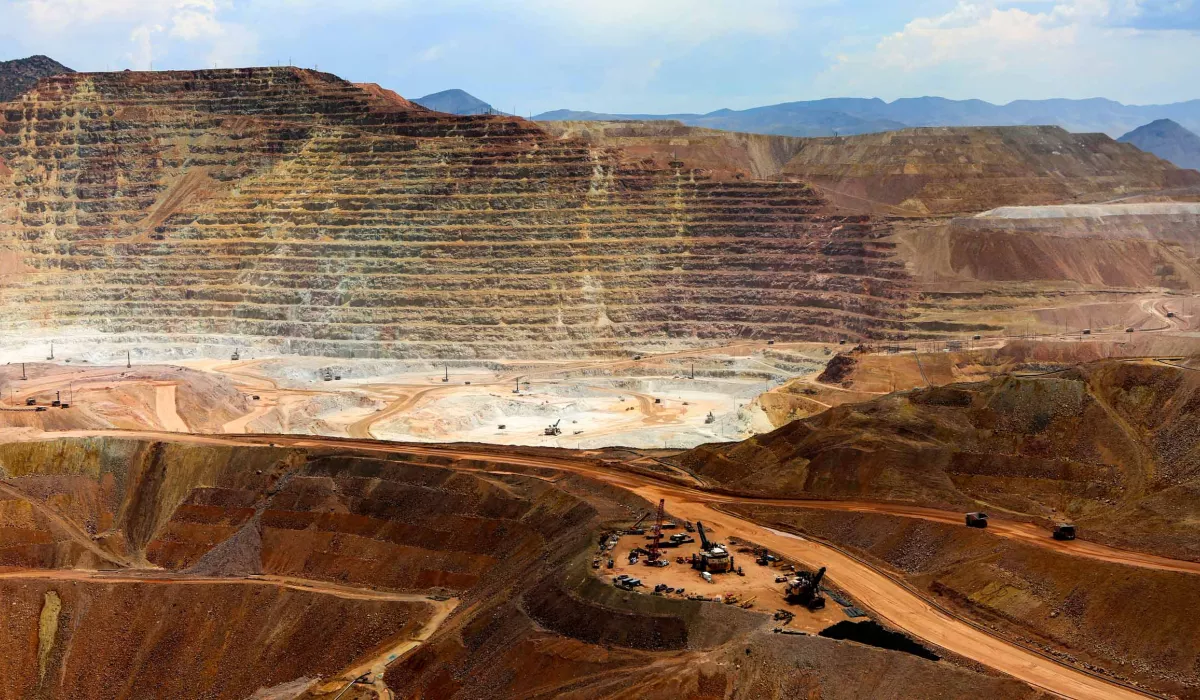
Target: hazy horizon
671	56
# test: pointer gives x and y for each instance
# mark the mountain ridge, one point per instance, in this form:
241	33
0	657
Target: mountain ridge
21	74
1168	140
852	116
456	101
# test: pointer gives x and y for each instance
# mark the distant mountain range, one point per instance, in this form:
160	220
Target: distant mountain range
18	76
848	116
456	102
1167	140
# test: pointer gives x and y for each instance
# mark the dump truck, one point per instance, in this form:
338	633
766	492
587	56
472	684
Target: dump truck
1064	531
805	590
977	520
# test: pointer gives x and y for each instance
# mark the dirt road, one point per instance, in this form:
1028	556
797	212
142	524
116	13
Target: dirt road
164	408
888	598
375	664
68	527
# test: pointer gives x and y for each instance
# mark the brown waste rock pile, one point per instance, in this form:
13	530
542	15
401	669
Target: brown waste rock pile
970	169
1110	445
301	212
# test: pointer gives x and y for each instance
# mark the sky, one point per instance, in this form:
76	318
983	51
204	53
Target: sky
648	56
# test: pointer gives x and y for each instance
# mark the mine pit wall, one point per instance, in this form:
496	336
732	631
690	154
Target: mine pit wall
283	204
1135	623
137	640
394	521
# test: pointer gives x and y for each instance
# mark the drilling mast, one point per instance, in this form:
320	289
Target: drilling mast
655	552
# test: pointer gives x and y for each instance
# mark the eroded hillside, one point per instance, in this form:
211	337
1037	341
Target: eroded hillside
1109	446
969	169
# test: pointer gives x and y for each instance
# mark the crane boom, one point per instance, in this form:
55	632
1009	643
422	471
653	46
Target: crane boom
704	545
655	552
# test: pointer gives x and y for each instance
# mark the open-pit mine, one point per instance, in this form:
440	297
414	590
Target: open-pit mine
307	391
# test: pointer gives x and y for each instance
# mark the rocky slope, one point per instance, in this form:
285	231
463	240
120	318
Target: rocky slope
22	74
1167	140
1108	445
293	209
954	170
533	622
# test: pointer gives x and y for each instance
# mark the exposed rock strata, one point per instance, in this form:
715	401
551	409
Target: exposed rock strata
291	207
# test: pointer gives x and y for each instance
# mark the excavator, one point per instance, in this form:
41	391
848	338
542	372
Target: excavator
553	430
805	590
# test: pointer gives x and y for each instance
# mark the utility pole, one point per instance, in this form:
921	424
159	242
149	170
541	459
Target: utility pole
23	377
693	370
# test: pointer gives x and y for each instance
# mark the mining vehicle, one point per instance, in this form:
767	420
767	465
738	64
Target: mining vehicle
235	356
1064	531
1087	331
977	520
805	590
30	402
1170	314
553	430
712	557
679	539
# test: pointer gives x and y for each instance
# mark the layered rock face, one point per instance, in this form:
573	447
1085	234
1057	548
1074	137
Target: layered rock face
290	208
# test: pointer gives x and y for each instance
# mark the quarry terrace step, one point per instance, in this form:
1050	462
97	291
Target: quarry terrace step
287	205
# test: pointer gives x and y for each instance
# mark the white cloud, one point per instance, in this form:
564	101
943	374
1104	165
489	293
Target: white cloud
155	28
691	21
1017	49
